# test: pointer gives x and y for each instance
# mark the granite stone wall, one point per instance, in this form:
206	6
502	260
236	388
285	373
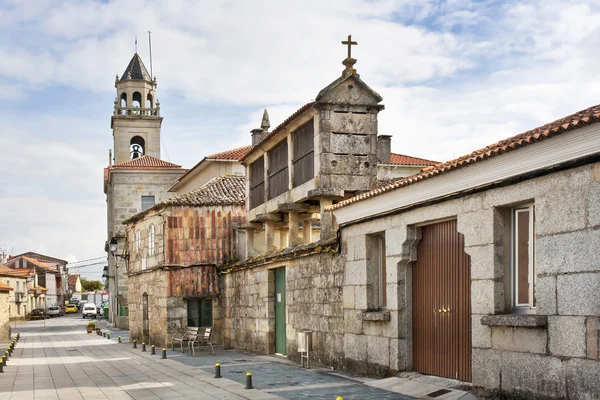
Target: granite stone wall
552	353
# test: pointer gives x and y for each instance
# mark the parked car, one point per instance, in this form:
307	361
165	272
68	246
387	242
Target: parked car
89	310
71	308
75	302
38	313
55	311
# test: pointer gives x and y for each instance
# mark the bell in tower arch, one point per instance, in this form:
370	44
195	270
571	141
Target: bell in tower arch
136	147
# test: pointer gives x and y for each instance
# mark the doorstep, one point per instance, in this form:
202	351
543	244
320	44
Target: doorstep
419	389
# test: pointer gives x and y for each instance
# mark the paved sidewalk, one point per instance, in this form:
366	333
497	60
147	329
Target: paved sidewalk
61	361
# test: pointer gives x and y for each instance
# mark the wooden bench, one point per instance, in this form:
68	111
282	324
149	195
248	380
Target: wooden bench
202	340
186	336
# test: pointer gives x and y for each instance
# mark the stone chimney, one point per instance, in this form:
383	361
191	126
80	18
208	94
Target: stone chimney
384	148
256	135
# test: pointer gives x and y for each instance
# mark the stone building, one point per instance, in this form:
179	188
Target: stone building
494	256
137	178
327	151
4	312
174	250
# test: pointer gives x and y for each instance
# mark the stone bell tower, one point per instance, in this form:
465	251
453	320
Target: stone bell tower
136	119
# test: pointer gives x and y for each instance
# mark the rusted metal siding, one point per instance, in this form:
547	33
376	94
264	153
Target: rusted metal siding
441	299
202	235
304	146
279	180
257	182
190	282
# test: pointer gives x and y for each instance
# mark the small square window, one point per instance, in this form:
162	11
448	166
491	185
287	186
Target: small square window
147	202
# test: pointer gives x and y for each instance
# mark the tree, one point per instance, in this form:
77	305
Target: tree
91	286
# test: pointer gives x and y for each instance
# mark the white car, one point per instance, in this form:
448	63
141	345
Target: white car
89	310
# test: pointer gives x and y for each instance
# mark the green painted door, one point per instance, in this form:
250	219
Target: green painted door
280	310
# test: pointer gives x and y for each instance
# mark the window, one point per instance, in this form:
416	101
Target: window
151	240
257	182
138	240
200	312
278	170
147	202
522	257
304	146
377	271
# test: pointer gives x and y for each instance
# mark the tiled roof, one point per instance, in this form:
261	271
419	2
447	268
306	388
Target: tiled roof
4	288
568	123
40	264
400	159
136	70
222	191
43	289
145	162
279	127
234	155
16	272
73	279
41	257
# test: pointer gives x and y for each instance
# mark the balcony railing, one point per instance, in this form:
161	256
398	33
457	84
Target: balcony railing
138	111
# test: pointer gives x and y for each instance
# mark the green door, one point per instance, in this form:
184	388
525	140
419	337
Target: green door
280	310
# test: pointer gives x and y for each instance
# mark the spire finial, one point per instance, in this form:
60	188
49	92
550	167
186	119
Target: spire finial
265	123
349	61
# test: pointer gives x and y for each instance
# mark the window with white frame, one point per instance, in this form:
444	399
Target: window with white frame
138	240
151	240
523	257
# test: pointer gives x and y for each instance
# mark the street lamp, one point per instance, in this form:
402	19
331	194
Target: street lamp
113	245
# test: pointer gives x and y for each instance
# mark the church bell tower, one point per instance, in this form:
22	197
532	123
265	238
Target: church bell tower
136	120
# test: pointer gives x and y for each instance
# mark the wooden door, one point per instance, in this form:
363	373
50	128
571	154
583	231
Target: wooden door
145	319
280	339
441	302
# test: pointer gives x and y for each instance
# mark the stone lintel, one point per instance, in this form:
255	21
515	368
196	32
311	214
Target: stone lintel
268	217
325	193
380	315
515	320
250	225
287	207
308	216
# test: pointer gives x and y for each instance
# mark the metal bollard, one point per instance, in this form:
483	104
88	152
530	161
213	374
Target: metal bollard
164	354
1	368
143	346
108	335
249	380
218	370
6	356
339	398
134	344
152	350
4	361
120	339
9	350
103	334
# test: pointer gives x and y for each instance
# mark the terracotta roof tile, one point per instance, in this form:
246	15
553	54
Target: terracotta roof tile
234	154
222	191
145	162
568	123
400	159
16	272
279	127
73	279
40	264
4	288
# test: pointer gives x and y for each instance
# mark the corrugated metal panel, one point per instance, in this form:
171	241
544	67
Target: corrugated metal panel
193	282
441	296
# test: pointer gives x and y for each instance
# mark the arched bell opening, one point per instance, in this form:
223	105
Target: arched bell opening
137	147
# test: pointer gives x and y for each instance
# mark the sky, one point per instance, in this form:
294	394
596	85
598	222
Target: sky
454	75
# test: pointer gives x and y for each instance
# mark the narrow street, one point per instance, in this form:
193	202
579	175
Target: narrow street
61	361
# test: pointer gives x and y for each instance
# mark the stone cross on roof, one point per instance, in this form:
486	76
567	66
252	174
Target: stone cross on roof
350	43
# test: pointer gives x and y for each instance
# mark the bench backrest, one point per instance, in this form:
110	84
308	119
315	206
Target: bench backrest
191	331
206	337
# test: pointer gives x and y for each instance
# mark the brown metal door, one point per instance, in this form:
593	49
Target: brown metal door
441	302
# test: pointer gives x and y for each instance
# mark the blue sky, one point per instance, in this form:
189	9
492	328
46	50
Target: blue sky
455	76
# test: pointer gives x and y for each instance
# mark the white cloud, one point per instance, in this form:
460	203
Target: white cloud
455	76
